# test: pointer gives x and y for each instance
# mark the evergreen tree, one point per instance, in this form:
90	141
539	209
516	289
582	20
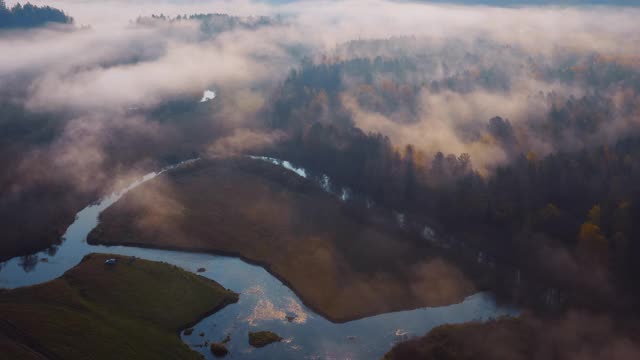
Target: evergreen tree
30	16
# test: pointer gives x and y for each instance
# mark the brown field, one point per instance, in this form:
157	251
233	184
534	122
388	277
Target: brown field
339	263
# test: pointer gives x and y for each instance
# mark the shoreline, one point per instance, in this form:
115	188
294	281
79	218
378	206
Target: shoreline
267	267
52	238
205	315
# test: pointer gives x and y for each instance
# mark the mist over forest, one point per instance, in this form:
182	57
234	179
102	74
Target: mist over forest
500	137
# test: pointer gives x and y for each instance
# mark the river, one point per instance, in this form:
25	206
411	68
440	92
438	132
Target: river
265	302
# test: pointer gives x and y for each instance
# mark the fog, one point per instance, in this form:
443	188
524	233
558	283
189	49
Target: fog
175	59
107	74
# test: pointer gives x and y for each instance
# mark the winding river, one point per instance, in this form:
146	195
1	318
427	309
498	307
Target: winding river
265	303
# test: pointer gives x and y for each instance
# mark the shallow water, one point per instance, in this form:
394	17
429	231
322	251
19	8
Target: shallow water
265	303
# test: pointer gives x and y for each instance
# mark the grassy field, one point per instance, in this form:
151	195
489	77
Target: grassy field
342	265
133	310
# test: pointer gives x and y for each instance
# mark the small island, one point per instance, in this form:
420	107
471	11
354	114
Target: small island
218	349
263	338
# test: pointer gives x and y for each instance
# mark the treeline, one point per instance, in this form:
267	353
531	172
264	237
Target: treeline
212	24
30	16
597	71
316	92
580	203
553	219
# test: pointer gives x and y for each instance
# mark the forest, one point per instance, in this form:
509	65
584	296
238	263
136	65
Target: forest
573	205
30	16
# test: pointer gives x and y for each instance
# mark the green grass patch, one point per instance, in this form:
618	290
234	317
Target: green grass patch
131	310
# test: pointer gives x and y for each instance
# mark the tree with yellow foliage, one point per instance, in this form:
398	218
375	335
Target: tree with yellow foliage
594	215
591	242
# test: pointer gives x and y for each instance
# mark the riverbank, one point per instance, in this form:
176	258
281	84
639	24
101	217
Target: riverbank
132	309
342	266
506	338
50	211
575	334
